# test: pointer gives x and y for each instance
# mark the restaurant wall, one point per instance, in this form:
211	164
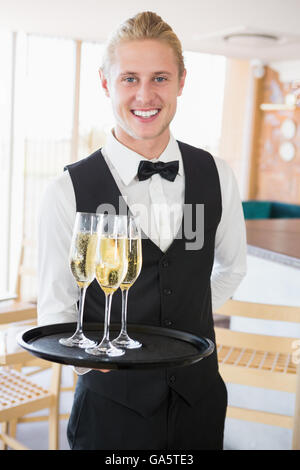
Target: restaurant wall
251	138
277	179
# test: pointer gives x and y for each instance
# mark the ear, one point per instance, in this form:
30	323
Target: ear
104	82
181	82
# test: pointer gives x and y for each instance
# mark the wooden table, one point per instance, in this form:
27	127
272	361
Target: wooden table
14	317
275	239
10	352
12	311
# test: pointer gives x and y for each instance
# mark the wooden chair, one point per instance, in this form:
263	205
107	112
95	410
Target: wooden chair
257	360
13	356
15	312
20	396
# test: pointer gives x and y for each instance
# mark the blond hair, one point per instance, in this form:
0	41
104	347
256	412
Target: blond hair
145	25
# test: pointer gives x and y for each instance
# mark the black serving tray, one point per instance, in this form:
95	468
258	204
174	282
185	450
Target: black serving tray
162	347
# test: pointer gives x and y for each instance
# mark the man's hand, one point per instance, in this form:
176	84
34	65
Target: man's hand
103	370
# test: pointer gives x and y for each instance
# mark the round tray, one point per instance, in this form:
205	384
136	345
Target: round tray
161	347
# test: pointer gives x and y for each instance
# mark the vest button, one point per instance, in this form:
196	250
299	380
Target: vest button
167	291
168	322
165	263
172	379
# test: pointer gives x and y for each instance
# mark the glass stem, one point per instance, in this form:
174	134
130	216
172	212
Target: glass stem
124	311
108	299
80	310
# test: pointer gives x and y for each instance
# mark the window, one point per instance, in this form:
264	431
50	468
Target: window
6	87
199	113
95	114
48	133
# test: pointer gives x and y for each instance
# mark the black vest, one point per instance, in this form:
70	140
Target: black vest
172	290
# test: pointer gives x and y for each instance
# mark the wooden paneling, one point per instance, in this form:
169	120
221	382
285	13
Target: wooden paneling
254	131
236	91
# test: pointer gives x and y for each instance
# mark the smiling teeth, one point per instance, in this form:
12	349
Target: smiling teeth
146	114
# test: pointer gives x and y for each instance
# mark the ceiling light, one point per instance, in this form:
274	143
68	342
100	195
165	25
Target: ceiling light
251	39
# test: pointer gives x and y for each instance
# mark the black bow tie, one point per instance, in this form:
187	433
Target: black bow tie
166	170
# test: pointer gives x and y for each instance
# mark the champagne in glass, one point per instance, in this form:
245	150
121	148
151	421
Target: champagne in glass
134	256
82	262
111	268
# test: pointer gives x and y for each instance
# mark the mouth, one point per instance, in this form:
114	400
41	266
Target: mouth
146	114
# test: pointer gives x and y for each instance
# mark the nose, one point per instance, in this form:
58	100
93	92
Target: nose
145	92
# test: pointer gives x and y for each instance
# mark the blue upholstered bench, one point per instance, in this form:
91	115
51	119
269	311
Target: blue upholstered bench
270	210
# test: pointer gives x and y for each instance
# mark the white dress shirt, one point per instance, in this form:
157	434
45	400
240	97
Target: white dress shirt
162	201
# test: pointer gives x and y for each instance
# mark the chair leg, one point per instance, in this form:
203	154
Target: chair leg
53	427
75	377
4	429
296	424
8	433
54	409
11	442
13	427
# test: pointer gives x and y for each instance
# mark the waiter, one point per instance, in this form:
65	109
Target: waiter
182	281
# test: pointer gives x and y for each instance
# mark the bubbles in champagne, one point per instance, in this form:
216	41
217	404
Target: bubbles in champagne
83	258
112	264
134	255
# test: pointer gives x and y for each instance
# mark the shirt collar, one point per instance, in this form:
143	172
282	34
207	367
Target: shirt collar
126	161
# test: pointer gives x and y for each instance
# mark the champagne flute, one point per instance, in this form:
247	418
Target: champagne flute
82	262
111	268
134	254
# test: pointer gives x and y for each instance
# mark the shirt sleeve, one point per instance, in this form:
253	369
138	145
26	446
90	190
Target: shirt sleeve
230	264
57	289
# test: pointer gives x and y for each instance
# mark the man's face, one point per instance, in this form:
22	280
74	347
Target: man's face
143	85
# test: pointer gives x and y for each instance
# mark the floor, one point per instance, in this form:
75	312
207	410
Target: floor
243	435
239	435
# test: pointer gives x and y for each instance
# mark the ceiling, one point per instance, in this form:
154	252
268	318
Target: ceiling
200	24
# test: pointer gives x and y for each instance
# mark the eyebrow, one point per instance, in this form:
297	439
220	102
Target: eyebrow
163	72
154	73
127	73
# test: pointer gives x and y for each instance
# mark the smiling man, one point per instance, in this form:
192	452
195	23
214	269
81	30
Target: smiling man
143	75
143	82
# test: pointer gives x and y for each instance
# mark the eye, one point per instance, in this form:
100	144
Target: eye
129	79
160	79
